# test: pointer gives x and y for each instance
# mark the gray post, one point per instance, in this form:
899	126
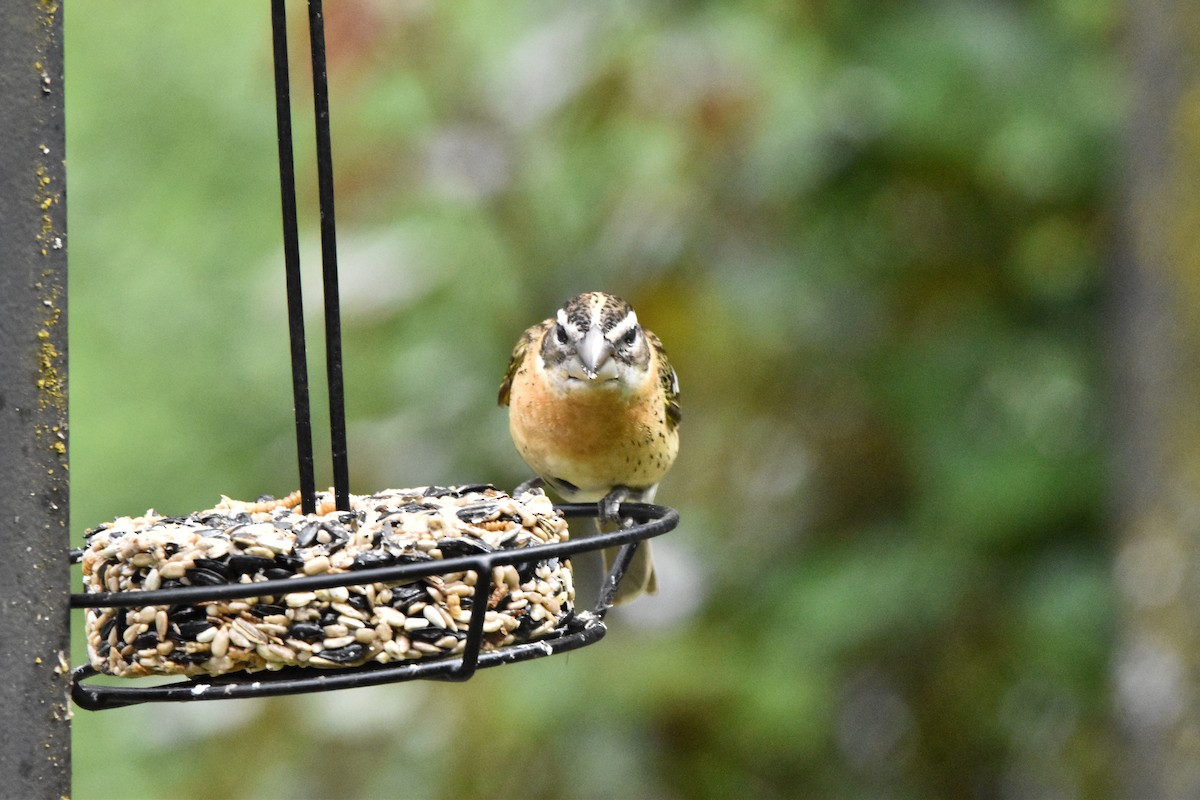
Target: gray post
1156	335
34	574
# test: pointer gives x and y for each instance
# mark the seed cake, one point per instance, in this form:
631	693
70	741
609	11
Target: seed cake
246	542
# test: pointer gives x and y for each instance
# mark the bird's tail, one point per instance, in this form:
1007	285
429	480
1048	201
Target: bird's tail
639	578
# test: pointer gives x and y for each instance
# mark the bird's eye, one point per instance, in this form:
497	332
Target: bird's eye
630	337
560	334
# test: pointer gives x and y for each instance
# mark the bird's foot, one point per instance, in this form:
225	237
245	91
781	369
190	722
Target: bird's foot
530	485
610	506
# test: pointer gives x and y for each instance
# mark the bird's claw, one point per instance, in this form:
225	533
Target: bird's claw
530	485
610	506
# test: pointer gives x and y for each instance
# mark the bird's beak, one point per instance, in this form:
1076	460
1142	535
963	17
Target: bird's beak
593	351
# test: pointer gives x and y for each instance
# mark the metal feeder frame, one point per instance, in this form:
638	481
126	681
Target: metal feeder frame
581	629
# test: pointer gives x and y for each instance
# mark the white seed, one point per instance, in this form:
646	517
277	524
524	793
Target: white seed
335	594
390	616
282	652
511	577
161	623
345	609
134	631
297	599
275	653
249	631
238	640
220	643
316	566
153	581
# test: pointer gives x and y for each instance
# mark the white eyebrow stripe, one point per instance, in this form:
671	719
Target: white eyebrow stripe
623	327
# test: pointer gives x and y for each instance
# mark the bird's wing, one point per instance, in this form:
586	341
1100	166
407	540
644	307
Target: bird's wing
518	357
669	382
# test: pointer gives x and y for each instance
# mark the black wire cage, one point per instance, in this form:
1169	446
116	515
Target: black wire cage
579	630
643	520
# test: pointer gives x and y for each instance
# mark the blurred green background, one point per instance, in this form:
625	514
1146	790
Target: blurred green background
870	235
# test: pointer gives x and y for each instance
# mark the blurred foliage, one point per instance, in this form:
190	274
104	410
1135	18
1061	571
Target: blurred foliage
870	235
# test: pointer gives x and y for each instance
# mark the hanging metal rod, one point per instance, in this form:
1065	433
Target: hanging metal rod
291	259
329	271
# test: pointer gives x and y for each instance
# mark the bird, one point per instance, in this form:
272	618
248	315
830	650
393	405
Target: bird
594	412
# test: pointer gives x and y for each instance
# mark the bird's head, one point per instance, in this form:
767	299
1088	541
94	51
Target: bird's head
595	341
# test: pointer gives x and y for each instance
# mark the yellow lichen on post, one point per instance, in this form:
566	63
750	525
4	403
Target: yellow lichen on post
51	361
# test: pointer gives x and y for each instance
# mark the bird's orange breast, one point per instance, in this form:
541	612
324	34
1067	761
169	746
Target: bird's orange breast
595	437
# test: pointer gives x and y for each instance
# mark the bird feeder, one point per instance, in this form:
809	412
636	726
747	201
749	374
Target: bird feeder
260	574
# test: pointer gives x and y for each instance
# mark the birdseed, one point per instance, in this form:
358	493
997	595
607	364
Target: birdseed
241	542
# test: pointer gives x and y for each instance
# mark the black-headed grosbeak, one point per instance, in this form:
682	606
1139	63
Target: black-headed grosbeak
594	411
